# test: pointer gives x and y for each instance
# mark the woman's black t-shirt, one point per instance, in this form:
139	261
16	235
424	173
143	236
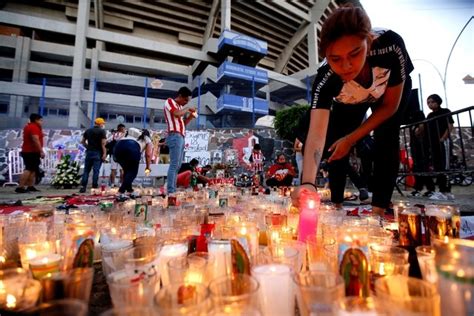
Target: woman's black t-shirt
390	66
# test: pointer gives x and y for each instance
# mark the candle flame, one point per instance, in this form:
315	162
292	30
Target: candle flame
243	231
382	269
347	239
193	277
2	259
311	204
11	301
30	254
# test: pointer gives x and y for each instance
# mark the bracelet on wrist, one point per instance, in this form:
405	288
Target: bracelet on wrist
311	184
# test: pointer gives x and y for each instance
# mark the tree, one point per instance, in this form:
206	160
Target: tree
67	175
288	120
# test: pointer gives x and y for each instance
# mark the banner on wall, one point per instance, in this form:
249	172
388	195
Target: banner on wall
203	156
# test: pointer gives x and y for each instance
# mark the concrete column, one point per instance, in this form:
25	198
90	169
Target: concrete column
20	74
93	75
313	55
225	15
80	46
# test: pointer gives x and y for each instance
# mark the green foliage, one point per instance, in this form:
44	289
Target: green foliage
286	121
67	174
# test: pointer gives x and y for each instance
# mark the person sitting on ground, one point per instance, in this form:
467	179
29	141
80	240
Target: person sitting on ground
186	172
281	173
128	153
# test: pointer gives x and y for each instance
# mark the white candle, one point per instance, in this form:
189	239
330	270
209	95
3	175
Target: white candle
167	253
41	266
221	250
276	292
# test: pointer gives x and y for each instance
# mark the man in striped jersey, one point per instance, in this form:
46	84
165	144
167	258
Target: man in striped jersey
177	117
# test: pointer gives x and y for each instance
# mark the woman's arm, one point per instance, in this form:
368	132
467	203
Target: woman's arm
313	151
148	154
297	145
388	107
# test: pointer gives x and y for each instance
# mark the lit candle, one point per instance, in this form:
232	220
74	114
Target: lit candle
247	235
276	293
221	249
167	253
193	276
308	220
40	266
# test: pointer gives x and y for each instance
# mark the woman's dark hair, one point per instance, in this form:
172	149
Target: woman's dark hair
145	133
347	20
257	147
436	98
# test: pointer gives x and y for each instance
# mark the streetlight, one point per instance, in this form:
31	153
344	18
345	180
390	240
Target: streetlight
444	78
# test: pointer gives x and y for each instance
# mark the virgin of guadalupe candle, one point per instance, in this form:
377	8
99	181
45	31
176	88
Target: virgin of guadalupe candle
276	292
353	261
79	246
409	227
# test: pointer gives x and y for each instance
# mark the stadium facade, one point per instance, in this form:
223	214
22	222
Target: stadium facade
76	60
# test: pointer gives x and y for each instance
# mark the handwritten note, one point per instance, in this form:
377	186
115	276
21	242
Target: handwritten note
196	141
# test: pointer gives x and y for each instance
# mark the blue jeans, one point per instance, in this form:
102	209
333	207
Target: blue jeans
127	153
175	142
93	161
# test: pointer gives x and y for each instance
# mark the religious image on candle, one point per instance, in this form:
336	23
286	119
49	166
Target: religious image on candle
354	269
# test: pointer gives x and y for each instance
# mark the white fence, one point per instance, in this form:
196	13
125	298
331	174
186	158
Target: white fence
16	165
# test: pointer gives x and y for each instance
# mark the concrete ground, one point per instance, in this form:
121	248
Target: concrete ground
464	196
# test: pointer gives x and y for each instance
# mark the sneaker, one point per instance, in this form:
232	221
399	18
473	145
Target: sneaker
121	197
21	190
364	195
82	190
438	196
134	195
450	196
428	194
32	189
416	193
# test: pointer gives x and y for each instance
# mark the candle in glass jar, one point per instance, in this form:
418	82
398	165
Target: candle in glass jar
308	220
276	291
41	266
221	249
167	253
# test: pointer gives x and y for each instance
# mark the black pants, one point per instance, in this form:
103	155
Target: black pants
440	152
127	153
285	182
346	118
420	154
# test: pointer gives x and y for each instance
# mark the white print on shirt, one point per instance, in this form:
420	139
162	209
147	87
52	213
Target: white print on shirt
354	93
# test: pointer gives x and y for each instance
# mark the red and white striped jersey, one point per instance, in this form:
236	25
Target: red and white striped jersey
175	124
257	161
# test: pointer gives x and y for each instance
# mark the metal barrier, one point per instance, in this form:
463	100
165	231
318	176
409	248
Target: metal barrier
423	154
16	165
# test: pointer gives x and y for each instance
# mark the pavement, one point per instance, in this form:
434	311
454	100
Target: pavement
464	196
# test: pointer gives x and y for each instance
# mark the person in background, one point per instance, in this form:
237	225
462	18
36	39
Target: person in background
256	160
363	68
128	153
440	145
298	148
94	139
281	173
164	151
32	153
117	135
177	116
188	169
420	154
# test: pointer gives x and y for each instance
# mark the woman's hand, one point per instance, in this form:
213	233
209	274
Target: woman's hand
296	194
340	148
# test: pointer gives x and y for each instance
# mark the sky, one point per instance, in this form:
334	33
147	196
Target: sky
429	29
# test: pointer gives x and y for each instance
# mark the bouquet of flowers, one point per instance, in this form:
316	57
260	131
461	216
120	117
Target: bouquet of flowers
67	174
